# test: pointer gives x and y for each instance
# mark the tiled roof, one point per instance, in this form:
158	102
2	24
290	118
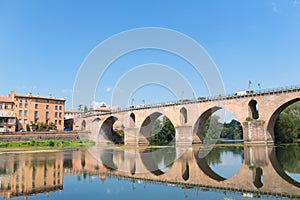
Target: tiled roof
5	99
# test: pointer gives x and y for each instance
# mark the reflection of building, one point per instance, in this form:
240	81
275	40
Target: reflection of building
24	177
29	108
7	115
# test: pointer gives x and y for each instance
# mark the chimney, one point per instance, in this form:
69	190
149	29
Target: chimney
50	95
30	94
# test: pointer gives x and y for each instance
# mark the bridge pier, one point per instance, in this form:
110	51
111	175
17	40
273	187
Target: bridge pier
254	132
184	135
131	136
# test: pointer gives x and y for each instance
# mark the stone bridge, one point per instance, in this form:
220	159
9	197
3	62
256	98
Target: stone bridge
257	113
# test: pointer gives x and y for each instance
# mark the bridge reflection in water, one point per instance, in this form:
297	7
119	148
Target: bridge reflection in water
258	170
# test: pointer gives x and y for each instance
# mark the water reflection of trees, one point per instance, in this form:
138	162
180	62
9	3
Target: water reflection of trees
289	157
214	157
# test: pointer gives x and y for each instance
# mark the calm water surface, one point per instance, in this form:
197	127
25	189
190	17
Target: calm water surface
236	172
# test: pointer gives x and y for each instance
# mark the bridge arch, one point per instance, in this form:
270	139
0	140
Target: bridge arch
132	120
253	109
83	125
183	115
199	125
145	131
107	130
275	115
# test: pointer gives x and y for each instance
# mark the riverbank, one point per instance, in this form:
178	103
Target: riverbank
48	143
59	135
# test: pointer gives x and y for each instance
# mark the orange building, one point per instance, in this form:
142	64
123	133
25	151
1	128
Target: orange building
7	115
31	109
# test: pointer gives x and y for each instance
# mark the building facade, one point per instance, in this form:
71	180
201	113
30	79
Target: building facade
7	115
31	109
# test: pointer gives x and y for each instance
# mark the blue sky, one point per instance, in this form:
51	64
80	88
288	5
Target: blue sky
44	43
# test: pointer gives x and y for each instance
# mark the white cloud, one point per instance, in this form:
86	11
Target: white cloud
96	104
108	89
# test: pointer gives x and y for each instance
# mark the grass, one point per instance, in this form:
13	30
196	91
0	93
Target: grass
48	143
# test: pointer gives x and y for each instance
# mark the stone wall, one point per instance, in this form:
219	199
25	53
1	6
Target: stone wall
16	137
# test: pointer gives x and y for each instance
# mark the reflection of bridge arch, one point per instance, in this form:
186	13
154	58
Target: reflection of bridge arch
274	116
146	127
156	162
278	168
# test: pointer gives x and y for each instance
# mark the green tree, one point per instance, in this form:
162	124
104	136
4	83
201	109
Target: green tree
27	128
85	109
287	127
212	127
163	132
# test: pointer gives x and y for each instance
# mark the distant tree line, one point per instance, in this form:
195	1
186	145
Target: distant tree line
287	127
232	130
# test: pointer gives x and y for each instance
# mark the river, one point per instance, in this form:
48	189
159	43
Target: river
228	171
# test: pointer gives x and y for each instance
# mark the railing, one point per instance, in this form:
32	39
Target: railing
202	99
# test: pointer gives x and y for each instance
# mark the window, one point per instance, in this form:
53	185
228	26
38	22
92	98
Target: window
47	115
55	122
25	113
20	121
25	121
59	122
47	107
0	105
26	100
60	114
20	99
5	106
36	106
36	114
20	113
26	105
55	114
59	107
55	107
20	105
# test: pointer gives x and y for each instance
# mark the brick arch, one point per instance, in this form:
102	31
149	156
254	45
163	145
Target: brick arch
253	109
83	125
132	120
146	126
106	129
271	122
199	124
97	120
183	115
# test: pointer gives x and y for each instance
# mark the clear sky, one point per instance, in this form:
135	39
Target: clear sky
44	43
